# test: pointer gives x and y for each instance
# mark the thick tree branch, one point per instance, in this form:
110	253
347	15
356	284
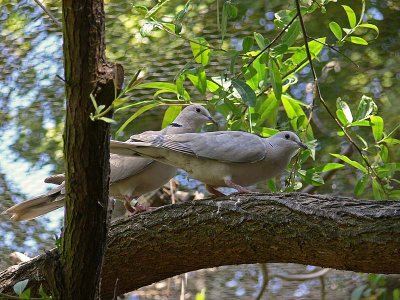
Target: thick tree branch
335	232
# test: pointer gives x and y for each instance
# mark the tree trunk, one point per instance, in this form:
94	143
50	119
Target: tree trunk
334	232
75	272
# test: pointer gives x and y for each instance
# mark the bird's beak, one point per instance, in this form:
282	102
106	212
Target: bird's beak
302	145
213	121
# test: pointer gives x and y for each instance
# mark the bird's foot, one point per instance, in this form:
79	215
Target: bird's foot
240	189
214	191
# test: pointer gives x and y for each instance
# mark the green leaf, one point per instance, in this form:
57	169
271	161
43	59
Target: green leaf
371	26
366	107
292	33
377	190
201	51
341	105
135	115
231	10
377	127
276	78
336	30
271	184
224	20
342	117
108	120
280	49
360	186
330	167
350	15
93	101
170	114
166	87
268	110
255	73
259	40
300	53
155	8
391	141
246	93
20	286
358	292
247	43
357	40
293	110
365	123
26	294
353	163
198	77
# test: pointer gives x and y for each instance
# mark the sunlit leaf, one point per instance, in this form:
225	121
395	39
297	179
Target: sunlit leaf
246	93
259	40
351	16
164	86
357	40
329	167
201	51
135	115
353	163
336	30
341	105
377	127
366	107
371	26
170	114
391	141
108	120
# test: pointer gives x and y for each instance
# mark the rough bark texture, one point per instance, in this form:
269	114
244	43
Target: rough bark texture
333	232
76	274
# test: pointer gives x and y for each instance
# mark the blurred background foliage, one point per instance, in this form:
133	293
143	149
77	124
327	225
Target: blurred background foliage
33	105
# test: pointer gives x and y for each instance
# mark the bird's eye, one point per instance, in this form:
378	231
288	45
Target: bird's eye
198	110
287	136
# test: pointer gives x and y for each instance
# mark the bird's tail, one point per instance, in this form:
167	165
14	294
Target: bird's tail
37	206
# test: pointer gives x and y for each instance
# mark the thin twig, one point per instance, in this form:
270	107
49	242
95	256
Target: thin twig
318	93
58	23
265	280
272	42
334	49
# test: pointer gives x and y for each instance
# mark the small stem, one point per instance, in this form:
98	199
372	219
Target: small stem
317	92
58	23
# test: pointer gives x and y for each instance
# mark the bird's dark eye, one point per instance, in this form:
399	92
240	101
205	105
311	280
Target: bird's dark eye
198	110
287	136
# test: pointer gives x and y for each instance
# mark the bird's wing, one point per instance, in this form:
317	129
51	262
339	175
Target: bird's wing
124	166
226	146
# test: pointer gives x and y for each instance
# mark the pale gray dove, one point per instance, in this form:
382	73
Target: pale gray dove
130	177
219	159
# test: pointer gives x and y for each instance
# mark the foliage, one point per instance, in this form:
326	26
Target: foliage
375	288
256	87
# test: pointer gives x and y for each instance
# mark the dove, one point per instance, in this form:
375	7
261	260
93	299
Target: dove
233	159
130	177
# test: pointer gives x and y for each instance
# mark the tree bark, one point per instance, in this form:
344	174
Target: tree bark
334	232
75	272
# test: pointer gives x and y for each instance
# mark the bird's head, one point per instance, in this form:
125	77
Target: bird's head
288	141
194	116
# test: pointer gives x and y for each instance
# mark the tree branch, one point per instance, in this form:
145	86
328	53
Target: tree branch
334	232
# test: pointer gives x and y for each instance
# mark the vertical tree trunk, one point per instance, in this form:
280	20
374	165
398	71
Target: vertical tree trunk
76	273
